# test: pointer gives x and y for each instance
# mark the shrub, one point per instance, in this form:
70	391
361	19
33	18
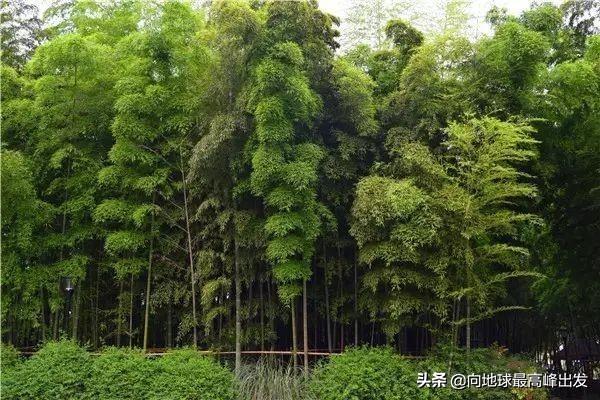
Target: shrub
9	357
366	374
479	361
185	374
120	374
58	371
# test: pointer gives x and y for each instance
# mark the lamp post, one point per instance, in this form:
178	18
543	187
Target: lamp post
67	287
563	334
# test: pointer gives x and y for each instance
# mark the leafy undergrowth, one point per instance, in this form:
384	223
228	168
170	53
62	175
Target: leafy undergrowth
63	370
380	374
366	374
480	361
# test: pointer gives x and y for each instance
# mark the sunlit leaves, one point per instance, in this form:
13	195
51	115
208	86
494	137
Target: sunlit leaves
119	242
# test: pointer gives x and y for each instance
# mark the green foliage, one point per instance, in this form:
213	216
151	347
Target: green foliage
365	373
452	360
509	65
158	151
120	374
442	233
23	214
63	370
184	374
403	35
57	371
9	357
284	169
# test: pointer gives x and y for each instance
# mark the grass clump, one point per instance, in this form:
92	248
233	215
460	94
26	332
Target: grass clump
268	379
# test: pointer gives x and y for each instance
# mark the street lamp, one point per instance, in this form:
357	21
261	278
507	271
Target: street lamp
563	334
67	287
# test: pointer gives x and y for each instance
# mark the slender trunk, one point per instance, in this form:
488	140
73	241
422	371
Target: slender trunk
55	325
190	253
355	303
42	314
315	320
305	326
63	230
327	312
468	330
120	314
341	287
372	333
149	280
147	305
294	342
262	316
170	324
76	308
454	327
131	312
270	303
238	306
220	315
96	308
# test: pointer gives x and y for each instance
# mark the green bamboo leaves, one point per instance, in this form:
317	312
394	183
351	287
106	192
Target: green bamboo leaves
284	169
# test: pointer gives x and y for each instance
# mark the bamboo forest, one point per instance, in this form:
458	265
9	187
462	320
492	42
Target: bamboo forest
231	199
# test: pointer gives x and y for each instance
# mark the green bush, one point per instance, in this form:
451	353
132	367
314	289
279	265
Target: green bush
479	361
366	374
120	374
9	357
58	371
185	374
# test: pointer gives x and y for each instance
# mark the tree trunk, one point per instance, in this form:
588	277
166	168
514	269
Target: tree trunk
270	303
170	324
131	312
120	314
341	287
468	330
294	342
220	316
149	280
190	253
355	303
42	314
262	316
96	308
305	326
327	311
238	306
76	307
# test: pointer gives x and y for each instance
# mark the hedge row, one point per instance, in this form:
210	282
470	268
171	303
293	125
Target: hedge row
63	370
380	374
